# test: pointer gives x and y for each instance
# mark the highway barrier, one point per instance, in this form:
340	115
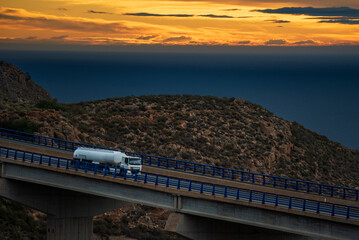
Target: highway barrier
199	169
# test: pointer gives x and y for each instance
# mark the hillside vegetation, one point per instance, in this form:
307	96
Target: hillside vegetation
225	132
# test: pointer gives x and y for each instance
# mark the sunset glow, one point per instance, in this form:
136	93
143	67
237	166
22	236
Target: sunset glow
216	22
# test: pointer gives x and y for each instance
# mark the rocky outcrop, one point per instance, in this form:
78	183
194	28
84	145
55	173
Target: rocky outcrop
17	86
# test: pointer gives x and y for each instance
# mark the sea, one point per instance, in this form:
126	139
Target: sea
317	90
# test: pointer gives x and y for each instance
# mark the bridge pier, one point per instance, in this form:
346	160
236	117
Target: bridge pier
69	228
69	213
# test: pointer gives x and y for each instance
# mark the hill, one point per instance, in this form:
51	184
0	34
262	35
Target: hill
17	86
225	132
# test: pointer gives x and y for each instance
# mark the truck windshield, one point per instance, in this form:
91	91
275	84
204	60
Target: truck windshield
135	161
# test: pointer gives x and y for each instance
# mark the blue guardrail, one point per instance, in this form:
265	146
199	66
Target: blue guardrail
234	193
199	169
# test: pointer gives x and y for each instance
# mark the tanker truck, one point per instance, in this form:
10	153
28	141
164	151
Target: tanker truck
126	163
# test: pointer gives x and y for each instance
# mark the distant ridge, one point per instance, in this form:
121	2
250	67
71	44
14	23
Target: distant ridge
17	86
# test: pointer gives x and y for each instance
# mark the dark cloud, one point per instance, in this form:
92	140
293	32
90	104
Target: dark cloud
62	9
59	37
31	38
98	12
232	9
341	21
177	39
305	42
147	37
215	16
144	14
276	42
310	11
244	42
278	21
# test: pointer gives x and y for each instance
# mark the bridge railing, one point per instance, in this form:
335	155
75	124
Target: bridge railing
226	192
200	169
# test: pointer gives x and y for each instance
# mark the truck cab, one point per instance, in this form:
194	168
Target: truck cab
133	164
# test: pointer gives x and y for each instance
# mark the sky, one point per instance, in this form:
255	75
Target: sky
176	22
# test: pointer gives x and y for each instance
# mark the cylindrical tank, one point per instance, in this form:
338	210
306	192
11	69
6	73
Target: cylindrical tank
98	155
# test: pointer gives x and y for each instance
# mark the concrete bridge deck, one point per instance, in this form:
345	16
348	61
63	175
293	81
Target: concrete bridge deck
21	178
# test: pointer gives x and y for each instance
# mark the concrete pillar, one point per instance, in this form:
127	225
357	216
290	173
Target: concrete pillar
69	213
69	228
200	228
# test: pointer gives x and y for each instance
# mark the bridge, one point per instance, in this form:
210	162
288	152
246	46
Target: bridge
208	202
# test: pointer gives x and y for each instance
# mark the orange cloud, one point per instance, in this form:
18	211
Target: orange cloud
23	18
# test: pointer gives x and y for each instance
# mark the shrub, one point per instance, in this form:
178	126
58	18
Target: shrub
22	125
49	104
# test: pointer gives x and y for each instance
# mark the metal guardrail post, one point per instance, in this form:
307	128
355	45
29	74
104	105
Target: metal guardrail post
125	175
304	205
237	197
15	157
135	178
290	203
344	193
156	181
225	191
333	210
23	157
95	169
264	180
201	190
86	164
179	184
264	198
214	190
58	162
318	207
348	212
49	163
250	195
276	200
40	162
7	153
32	158
168	181
145	180
190	186
115	172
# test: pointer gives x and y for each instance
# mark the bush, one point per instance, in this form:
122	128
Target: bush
22	125
49	104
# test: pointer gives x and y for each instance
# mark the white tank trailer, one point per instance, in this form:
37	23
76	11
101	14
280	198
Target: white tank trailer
113	158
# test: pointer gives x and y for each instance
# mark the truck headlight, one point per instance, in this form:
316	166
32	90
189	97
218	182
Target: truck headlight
129	172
